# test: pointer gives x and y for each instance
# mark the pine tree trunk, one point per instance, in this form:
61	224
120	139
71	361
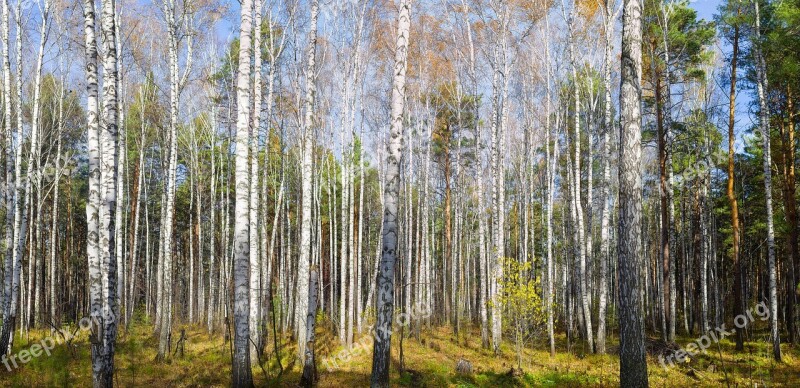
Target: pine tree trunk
633	363
738	307
664	195
791	214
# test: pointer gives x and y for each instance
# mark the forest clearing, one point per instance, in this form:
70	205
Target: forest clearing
421	193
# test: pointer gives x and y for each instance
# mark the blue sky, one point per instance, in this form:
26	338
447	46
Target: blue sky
705	8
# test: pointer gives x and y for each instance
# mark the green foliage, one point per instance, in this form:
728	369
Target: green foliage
782	42
455	119
688	40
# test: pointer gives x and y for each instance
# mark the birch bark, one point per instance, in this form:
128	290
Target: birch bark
242	376
385	278
255	257
762	87
301	302
105	342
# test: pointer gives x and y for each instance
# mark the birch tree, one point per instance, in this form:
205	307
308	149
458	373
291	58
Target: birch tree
255	117
609	17
10	275
385	277
177	82
242	375
93	204
763	121
301	302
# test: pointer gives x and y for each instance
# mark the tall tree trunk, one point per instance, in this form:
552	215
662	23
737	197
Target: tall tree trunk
137	201
481	213
499	105
664	191
176	84
212	250
762	86
36	259
669	269
550	159
360	258
385	278
54	222
11	194
255	126
301	303
607	190
576	193
791	214
738	307
633	363
242	376
309	366
105	341
119	252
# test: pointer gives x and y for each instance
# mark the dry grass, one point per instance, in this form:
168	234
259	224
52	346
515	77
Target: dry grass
430	362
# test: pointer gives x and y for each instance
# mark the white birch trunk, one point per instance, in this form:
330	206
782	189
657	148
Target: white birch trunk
242	374
761	84
606	195
576	193
119	231
255	257
105	343
301	302
93	204
11	193
385	278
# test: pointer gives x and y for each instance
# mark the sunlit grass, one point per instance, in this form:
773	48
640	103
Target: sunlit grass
429	361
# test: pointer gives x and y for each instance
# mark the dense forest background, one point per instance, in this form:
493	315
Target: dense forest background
293	183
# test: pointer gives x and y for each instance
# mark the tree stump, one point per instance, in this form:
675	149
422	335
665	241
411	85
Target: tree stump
463	367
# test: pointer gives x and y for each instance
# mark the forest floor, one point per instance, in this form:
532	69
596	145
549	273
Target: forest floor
430	362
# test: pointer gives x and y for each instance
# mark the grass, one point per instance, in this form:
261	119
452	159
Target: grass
430	362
